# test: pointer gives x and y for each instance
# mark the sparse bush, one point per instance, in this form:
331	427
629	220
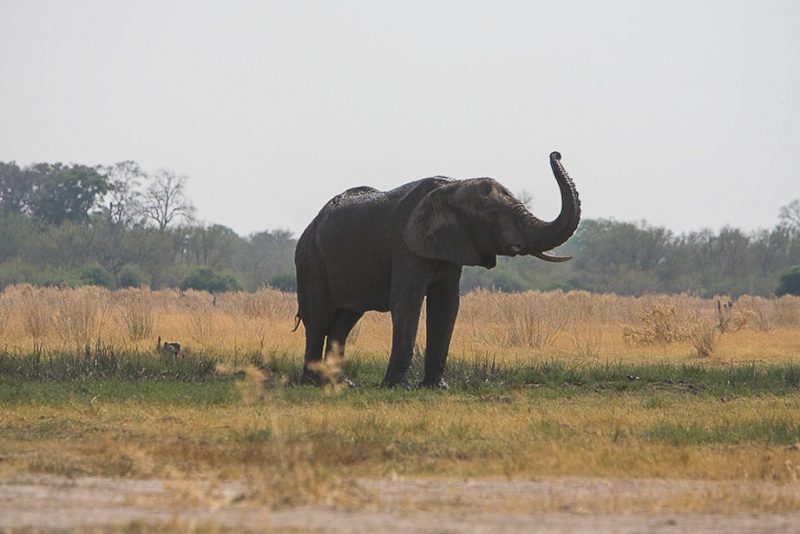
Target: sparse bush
731	317
658	325
761	312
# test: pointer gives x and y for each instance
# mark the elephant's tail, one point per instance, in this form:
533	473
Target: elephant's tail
296	322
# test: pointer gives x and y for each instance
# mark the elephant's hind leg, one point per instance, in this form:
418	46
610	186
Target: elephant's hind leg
315	340
343	323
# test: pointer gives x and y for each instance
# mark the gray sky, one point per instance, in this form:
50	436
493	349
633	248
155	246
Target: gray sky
685	114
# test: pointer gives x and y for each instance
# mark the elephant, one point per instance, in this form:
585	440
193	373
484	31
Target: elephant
390	250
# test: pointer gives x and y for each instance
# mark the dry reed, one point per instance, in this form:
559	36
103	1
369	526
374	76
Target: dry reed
532	325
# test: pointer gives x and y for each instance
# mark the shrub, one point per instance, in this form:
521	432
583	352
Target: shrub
284	282
88	275
205	279
132	275
789	283
658	325
95	275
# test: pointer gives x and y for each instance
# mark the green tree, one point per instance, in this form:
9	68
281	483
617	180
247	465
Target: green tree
66	193
53	246
16	189
214	246
18	232
504	277
619	257
111	245
205	279
265	255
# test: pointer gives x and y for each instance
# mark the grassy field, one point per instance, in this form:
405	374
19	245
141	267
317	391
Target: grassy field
542	384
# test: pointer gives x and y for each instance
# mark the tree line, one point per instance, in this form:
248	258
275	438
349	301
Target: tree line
119	226
636	258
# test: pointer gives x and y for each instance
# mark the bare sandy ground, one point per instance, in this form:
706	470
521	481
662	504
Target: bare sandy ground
427	506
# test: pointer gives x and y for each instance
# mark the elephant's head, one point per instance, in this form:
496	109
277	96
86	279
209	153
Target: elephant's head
470	222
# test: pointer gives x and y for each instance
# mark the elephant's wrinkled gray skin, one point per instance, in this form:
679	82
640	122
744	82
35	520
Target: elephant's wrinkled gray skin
387	251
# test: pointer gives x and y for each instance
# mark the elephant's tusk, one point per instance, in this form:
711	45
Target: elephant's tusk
553	259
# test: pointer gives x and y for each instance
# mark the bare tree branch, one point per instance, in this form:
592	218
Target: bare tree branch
124	197
165	199
790	214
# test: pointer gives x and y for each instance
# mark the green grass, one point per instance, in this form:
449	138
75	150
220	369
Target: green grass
168	393
770	431
134	373
543	419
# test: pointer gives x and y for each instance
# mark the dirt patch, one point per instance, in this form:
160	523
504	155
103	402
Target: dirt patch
435	506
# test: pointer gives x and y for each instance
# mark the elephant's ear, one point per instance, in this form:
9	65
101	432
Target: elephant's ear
435	230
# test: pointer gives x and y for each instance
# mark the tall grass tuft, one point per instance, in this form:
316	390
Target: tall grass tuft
705	335
586	323
36	307
5	312
136	312
80	316
202	321
534	319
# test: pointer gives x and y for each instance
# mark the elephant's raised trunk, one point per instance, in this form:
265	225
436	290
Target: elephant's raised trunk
540	236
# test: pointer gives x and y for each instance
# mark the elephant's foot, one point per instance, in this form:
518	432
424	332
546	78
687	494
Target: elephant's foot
391	384
395	378
435	384
311	378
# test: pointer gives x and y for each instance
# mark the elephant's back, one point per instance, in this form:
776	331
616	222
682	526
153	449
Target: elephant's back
357	195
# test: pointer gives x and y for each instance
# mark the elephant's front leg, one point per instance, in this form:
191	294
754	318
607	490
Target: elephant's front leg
405	307
442	309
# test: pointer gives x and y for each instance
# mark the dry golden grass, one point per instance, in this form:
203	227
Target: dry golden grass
574	326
